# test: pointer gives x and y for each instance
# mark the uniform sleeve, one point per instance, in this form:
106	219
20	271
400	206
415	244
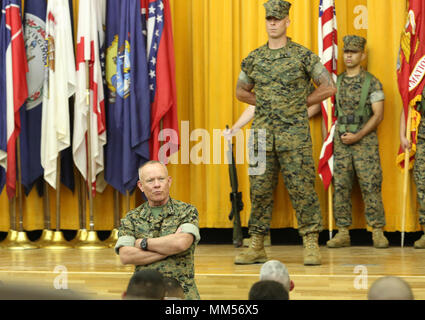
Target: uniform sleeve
377	92
192	229
245	78
191	216
126	236
247	66
313	65
190	222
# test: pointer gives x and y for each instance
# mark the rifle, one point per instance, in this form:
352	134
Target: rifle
235	198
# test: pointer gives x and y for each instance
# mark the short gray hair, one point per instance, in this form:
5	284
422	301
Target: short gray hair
277	271
151	162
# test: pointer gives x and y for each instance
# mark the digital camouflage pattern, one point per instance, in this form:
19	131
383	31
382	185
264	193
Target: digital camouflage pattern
282	85
277	8
419	170
298	173
141	223
281	81
354	43
361	158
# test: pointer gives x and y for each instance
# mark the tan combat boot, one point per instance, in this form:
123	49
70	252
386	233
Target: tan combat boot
379	240
267	241
420	244
312	255
255	253
341	239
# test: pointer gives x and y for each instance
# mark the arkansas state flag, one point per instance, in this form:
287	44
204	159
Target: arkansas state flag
162	86
59	85
90	30
411	71
14	89
128	105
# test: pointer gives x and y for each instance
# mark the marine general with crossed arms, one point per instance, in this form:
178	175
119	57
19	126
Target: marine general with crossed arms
359	109
275	78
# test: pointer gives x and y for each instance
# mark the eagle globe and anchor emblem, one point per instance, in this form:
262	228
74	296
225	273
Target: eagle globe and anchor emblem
36	49
118	69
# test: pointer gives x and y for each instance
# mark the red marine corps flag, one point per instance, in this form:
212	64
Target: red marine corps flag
411	71
328	53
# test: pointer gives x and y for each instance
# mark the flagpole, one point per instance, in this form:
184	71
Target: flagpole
47	234
12	233
330	195
114	233
21	242
127	201
82	232
58	241
58	189
92	241
406	176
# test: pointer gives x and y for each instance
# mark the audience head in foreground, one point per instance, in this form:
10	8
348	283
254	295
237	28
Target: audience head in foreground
390	288
173	289
147	284
268	290
277	271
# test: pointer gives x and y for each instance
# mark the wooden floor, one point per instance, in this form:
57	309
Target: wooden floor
345	273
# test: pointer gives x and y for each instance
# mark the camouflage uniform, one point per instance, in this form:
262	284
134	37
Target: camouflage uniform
361	158
141	223
282	84
418	169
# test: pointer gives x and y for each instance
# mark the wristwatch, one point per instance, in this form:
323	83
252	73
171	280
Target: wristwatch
144	244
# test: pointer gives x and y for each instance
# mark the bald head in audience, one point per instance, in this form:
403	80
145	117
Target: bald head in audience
276	271
390	288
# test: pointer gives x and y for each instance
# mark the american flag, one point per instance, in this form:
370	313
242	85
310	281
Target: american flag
328	52
157	27
153	25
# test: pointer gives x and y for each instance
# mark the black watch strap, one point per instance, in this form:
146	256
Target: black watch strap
144	244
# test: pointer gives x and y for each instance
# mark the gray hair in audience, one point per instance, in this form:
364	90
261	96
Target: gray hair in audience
277	271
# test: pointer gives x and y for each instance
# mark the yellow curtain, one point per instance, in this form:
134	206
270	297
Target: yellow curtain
211	38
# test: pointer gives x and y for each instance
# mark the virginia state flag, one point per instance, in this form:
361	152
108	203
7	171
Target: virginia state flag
90	31
14	90
162	86
128	106
36	49
59	85
411	71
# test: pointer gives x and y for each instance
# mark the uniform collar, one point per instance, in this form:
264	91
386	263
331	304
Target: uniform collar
167	209
273	54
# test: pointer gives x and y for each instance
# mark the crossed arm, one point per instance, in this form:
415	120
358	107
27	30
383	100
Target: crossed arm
158	248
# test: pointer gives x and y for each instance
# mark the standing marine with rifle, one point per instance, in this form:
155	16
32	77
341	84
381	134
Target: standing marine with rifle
275	78
235	197
360	109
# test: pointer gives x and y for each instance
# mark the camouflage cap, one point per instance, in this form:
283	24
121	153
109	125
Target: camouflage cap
277	8
354	43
